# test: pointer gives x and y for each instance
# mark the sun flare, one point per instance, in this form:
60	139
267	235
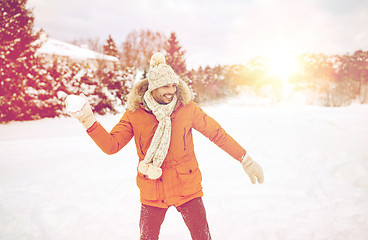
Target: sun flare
282	65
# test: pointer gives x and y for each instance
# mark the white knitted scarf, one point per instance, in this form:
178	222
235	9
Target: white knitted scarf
157	151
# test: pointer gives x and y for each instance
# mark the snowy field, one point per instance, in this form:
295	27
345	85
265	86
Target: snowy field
55	183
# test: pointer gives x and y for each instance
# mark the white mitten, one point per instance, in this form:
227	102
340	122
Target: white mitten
79	108
252	169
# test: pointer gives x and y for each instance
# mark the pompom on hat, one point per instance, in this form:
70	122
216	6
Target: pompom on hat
160	73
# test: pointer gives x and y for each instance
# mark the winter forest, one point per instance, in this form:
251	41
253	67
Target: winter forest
304	122
33	87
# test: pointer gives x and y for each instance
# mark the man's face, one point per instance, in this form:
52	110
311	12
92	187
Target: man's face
165	94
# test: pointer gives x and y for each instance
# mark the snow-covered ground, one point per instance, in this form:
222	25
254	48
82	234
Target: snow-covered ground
56	184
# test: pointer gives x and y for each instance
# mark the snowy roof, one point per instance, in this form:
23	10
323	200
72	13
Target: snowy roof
60	48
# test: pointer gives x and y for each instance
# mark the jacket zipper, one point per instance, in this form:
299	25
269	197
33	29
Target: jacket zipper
185	145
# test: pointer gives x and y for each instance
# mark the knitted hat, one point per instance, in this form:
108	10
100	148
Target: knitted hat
160	73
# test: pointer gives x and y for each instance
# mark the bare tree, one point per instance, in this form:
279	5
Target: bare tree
90	43
139	47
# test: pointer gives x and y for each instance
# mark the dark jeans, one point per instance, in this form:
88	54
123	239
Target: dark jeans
193	213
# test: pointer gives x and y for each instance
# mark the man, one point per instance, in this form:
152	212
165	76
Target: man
161	115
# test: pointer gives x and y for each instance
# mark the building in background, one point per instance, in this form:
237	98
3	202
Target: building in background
52	48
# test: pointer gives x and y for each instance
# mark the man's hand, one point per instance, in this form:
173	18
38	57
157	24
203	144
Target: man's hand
85	115
252	169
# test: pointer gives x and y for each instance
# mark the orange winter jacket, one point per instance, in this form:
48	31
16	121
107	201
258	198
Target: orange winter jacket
181	177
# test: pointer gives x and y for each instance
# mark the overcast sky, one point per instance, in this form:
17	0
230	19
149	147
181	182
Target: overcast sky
216	31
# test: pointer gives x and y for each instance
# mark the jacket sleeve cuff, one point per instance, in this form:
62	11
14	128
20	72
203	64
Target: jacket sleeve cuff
93	127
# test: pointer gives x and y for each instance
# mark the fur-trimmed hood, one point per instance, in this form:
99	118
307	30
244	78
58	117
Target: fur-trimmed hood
135	97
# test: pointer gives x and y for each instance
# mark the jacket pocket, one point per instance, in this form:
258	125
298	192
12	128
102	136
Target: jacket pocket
142	144
190	178
147	187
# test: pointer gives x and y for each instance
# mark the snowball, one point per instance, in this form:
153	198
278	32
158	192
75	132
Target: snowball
74	103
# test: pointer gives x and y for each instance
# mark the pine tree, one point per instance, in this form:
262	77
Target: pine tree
110	48
113	90
175	55
19	68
